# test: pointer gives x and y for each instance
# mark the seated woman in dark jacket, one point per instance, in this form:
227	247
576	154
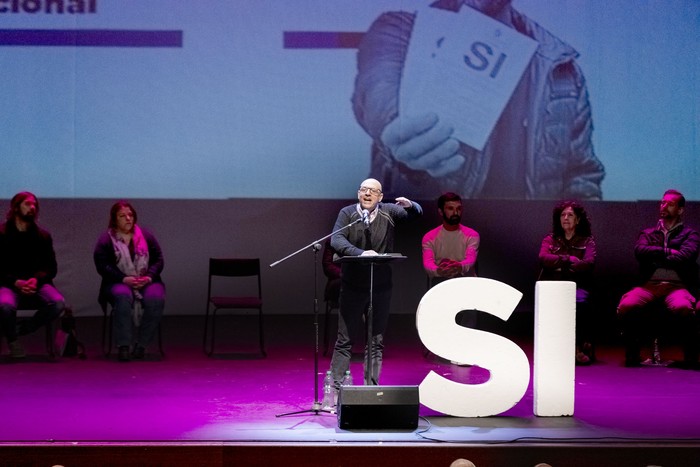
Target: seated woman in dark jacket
130	261
568	254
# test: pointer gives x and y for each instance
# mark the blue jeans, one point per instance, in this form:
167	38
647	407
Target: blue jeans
48	301
584	324
121	298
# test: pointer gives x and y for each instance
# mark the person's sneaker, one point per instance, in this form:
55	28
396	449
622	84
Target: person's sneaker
124	353
139	352
588	350
582	359
16	350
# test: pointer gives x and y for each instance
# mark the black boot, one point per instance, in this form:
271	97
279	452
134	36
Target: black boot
124	355
629	325
632	350
689	343
139	352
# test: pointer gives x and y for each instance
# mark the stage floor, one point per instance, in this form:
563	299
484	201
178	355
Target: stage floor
187	397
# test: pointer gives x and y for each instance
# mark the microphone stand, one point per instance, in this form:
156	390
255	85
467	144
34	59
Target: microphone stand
315	245
369	358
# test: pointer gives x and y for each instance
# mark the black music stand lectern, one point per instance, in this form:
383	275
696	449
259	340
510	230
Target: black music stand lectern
371	261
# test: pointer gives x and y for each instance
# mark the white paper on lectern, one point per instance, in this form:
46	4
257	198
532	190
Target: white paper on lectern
437	79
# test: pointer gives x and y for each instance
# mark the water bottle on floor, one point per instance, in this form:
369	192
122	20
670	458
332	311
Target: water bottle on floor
347	379
328	392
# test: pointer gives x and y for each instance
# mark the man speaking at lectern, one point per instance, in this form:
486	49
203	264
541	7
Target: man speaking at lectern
371	234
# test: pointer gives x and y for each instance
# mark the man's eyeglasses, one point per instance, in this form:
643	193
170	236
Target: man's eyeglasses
374	191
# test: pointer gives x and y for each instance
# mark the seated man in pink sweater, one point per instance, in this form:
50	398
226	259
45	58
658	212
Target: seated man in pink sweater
451	249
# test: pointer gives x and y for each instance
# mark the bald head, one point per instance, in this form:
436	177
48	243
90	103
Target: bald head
372	183
462	463
370	194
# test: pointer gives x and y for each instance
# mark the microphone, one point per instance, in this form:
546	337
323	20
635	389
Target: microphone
365	217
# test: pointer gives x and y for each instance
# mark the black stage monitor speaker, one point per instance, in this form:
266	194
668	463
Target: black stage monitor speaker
378	407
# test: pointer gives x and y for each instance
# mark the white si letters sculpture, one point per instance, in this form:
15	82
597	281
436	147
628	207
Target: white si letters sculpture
555	307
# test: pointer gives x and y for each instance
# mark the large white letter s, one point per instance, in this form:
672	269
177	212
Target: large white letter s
507	363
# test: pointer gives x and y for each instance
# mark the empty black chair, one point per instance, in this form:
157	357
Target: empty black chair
233	268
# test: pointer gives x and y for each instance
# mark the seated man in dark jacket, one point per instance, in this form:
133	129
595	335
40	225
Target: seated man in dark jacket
667	255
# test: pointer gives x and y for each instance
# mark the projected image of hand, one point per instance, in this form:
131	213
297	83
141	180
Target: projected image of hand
423	143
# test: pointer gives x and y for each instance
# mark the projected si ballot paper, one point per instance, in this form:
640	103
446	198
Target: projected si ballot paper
463	67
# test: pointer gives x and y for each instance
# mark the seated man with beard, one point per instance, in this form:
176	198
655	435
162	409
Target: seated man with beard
27	270
451	249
